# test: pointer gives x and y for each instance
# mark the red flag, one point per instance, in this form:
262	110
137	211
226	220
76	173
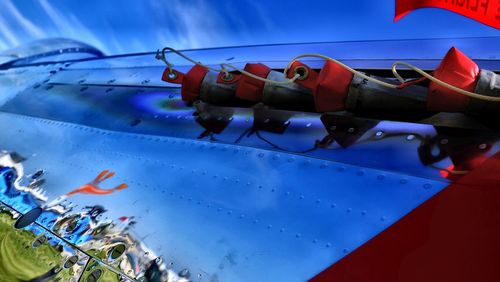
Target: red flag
484	11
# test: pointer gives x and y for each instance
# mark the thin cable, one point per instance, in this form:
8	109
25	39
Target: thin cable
257	133
170	65
441	83
374	80
162	57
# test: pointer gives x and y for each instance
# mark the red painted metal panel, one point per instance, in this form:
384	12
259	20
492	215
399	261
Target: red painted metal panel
454	236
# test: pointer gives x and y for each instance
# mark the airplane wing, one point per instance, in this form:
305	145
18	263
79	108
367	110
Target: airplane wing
107	174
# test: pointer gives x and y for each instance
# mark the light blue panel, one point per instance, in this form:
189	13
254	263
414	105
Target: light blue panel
225	212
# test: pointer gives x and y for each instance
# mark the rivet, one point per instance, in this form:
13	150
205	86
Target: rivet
308	125
333	205
363	212
380	177
360	173
269	226
482	146
261	155
323	165
427	186
410	137
379	134
403	181
349	210
282	230
297	235
301	197
318	201
340	169
328	245
333	128
443	141
350	130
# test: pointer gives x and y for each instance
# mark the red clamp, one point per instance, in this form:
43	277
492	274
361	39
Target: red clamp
329	87
458	70
172	76
191	84
249	88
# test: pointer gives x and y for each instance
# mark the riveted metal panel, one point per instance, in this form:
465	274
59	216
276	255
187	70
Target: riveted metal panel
224	211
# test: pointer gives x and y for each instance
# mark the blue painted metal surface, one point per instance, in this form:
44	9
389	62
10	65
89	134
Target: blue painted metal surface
229	212
227	205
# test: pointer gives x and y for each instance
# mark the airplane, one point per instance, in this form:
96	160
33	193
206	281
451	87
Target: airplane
108	173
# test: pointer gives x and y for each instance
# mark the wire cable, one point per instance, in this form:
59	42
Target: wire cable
374	80
161	57
223	69
440	82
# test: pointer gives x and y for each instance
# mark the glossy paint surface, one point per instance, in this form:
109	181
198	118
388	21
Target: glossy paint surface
243	195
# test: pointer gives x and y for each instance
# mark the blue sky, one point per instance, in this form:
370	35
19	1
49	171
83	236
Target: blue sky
126	26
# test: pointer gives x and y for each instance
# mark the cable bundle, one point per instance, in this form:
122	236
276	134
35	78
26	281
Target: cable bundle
457	85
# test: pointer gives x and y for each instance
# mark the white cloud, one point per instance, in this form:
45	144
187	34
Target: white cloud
19	18
196	23
3	45
7	33
68	25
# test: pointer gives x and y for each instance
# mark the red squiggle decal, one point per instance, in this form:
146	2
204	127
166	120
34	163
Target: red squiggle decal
93	188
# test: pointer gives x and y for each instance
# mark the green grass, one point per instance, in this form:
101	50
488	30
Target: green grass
19	261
